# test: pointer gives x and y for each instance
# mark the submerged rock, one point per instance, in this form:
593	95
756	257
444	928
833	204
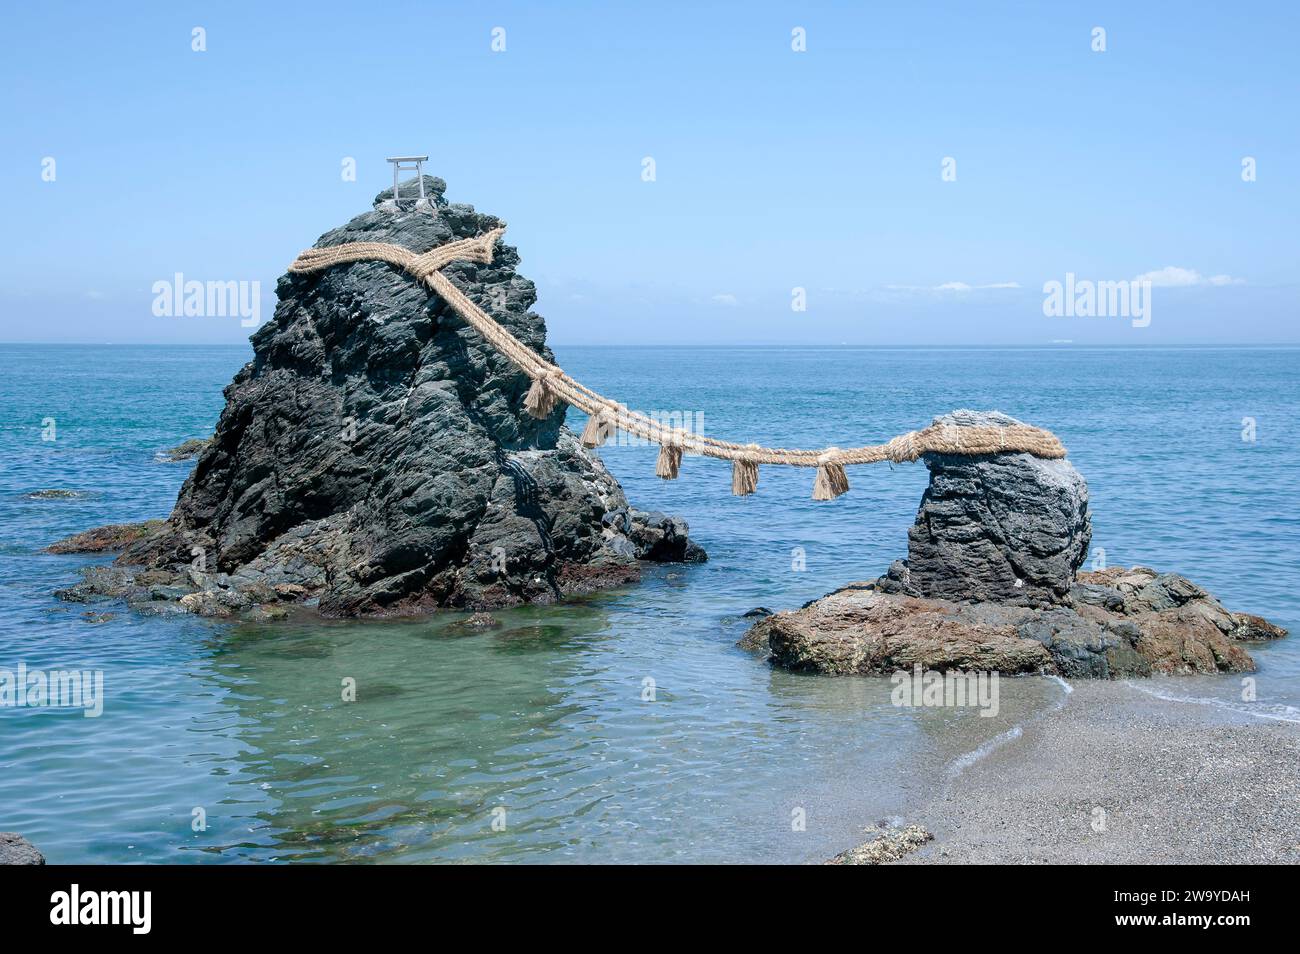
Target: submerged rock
17	850
478	621
375	455
185	450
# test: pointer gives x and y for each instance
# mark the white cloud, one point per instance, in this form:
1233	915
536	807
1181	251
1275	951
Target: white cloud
963	287
1171	276
725	299
959	288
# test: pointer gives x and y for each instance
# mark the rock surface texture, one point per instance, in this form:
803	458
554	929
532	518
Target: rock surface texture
17	850
889	846
991	582
1011	528
375	455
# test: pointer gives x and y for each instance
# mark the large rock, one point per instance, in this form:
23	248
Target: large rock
1010	528
1118	623
375	454
991	582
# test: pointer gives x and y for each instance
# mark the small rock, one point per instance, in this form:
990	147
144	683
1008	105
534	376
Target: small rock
887	847
17	850
472	624
215	603
115	536
266	614
662	539
186	450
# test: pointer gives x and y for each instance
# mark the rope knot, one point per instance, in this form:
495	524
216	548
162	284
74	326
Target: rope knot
831	480
902	449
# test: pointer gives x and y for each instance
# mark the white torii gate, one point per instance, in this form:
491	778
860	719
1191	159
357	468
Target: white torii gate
407	164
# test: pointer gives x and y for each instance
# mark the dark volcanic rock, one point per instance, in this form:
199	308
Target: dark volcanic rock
661	538
375	454
17	850
1011	528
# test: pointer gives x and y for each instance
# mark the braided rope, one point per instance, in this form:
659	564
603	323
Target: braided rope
551	383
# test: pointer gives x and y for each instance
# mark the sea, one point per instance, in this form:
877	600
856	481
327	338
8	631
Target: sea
625	727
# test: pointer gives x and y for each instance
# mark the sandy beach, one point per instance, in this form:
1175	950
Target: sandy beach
1117	775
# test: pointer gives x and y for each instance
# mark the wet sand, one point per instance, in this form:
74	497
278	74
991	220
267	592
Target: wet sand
1115	775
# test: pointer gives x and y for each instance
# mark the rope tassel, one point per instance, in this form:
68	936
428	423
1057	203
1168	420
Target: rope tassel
831	480
541	398
744	475
598	429
670	460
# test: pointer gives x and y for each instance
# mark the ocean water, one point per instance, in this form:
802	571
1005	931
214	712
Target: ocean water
541	741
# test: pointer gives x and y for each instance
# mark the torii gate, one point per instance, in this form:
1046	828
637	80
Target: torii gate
407	164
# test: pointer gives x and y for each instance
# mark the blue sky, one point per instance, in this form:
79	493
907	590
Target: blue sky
775	169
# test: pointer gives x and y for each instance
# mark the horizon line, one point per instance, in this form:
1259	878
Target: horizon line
1049	345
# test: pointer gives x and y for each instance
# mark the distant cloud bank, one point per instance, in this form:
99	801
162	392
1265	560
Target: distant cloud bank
1171	276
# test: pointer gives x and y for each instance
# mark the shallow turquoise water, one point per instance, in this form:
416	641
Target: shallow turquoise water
544	717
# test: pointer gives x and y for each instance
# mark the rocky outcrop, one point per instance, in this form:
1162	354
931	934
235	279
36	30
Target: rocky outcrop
375	455
1008	528
865	629
17	850
991	582
1176	625
115	536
